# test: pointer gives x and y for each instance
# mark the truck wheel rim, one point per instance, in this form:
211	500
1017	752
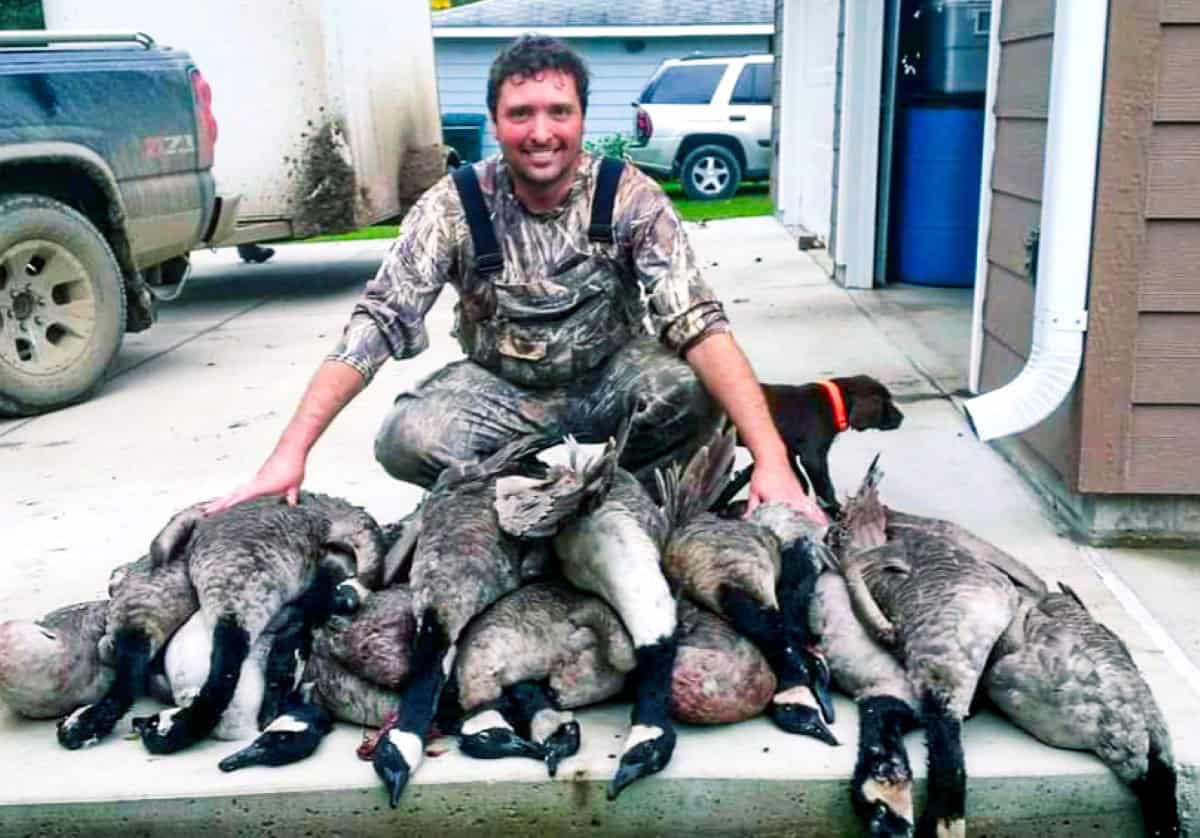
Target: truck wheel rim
47	308
710	175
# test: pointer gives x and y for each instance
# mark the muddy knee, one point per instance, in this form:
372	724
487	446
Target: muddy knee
411	443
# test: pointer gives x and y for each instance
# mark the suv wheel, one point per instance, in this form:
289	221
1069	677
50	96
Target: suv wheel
710	172
62	305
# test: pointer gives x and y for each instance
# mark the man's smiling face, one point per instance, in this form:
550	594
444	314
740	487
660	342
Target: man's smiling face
539	125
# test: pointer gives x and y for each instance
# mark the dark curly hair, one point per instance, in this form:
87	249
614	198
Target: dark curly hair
532	54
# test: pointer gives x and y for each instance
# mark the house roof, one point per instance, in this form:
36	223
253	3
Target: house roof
556	14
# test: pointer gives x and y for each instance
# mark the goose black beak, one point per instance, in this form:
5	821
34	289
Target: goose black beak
391	767
499	742
252	754
561	744
644	758
802	720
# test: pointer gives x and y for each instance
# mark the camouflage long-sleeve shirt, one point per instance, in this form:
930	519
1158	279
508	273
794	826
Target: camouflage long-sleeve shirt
434	247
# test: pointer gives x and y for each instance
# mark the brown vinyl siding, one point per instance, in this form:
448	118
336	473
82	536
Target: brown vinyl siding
1141	386
1021	111
1169	282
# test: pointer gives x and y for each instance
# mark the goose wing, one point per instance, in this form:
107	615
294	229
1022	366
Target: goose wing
535	507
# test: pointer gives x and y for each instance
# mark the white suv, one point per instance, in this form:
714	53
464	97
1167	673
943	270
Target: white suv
707	121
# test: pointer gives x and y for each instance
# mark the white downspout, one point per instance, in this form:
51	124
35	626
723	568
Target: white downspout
1068	198
985	198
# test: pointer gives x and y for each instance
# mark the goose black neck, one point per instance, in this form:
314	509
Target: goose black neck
797	581
653	682
526	699
419	697
883	720
231	645
1156	792
764	627
947	797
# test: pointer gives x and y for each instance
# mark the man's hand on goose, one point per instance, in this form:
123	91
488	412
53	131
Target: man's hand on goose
775	483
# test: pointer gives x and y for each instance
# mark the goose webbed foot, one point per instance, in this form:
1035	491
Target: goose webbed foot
88	725
647	751
560	745
391	763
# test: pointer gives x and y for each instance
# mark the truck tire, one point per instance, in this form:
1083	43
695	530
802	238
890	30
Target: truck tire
62	305
709	173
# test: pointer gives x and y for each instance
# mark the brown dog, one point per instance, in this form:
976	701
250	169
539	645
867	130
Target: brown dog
809	418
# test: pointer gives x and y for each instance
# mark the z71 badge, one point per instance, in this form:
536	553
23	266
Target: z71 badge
169	146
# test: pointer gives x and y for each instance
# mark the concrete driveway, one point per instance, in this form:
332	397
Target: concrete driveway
197	402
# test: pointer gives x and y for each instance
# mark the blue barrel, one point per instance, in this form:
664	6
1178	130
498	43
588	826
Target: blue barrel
938	203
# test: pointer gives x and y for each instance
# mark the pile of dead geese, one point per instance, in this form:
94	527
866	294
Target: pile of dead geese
518	592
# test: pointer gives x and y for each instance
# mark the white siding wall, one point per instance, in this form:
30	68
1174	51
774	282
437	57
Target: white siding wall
807	108
617	74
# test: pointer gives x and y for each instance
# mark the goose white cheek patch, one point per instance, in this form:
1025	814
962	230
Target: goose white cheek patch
547	721
487	720
410	746
801	695
286	724
641	733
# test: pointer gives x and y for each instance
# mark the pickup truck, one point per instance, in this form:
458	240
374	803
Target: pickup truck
106	149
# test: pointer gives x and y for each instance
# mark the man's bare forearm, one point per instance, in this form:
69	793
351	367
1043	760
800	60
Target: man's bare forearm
332	387
727	375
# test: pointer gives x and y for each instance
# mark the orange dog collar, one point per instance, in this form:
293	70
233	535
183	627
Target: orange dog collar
838	403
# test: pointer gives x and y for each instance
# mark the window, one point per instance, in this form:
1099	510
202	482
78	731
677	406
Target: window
753	85
684	84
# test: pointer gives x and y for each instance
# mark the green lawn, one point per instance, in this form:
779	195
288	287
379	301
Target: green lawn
751	199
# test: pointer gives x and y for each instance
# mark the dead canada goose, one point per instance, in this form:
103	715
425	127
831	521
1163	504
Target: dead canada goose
246	564
569	652
546	649
881	788
941	610
736	567
609	534
462	563
51	666
147	606
1072	683
270	672
537	651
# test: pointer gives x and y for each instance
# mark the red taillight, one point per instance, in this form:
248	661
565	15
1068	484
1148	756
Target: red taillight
206	123
643	125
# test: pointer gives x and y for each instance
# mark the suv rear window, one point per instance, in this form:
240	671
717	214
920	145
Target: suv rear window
753	85
684	85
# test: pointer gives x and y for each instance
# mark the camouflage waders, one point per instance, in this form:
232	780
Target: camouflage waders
466	412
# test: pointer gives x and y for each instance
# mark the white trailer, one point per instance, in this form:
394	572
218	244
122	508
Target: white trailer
327	110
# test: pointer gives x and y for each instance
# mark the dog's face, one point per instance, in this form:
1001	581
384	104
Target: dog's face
869	404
